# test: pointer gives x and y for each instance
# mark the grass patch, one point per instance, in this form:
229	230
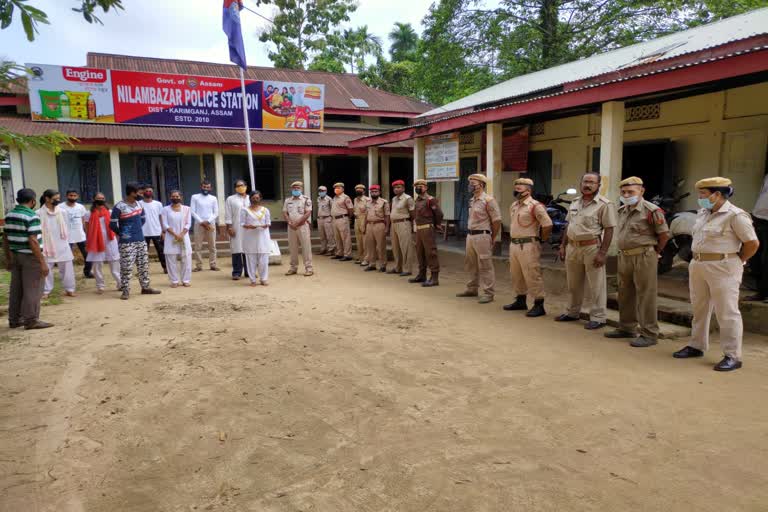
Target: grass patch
54	299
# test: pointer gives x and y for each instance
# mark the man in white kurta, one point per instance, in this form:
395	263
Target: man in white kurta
153	228
205	211
75	213
257	244
56	249
232	207
177	246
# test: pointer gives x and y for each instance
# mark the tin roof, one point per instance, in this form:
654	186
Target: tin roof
661	50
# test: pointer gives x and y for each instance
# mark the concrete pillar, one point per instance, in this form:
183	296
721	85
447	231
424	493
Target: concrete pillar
114	170
373	165
611	147
17	171
493	159
221	195
384	176
418	160
306	173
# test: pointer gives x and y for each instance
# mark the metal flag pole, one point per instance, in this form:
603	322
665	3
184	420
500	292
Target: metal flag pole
247	130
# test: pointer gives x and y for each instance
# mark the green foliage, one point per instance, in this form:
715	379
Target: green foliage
395	77
404	43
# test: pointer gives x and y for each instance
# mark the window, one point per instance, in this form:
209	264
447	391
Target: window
394	121
87	173
342	118
266	172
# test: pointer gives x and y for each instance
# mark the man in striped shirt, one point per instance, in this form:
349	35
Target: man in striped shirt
22	244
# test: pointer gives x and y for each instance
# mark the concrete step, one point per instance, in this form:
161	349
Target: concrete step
672	311
667	330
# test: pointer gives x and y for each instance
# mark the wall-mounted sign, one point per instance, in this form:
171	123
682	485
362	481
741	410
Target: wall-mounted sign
91	95
441	157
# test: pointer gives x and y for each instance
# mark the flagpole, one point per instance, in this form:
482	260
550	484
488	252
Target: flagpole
247	130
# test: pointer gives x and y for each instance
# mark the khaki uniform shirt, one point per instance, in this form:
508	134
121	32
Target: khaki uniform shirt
360	204
640	225
402	206
483	212
296	207
323	206
376	210
526	217
723	231
340	205
427	211
587	221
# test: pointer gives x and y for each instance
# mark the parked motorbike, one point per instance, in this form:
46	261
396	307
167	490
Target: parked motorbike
680	228
557	209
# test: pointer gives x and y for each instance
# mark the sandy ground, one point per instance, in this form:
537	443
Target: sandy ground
354	391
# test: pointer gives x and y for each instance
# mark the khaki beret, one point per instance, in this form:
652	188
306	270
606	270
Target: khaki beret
632	180
323	188
297	184
420	182
360	187
717	181
478	177
524	181
339	184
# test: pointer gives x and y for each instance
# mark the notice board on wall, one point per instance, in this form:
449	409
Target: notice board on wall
441	157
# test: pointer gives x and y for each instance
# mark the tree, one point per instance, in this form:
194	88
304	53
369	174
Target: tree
10	72
404	42
395	77
300	29
347	48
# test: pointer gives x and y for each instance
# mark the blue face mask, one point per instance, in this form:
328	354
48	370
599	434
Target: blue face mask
631	200
295	193
322	194
705	202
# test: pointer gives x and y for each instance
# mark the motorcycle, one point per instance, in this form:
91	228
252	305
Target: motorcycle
680	229
557	209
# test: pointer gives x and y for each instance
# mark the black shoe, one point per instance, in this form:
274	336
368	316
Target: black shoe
45	325
618	333
686	352
393	271
14	326
150	291
592	325
406	274
346	258
728	364
466	293
418	279
642	342
537	309
565	318
519	305
369	268
434	280
334	257
88	276
383	270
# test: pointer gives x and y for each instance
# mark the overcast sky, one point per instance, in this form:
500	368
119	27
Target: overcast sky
182	29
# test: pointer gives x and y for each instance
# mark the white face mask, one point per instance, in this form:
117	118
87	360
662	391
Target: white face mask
631	200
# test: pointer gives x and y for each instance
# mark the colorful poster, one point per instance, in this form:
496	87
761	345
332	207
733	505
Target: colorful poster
293	106
184	100
441	157
70	94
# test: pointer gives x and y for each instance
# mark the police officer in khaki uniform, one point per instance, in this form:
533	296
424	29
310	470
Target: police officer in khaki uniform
591	219
325	222
723	241
402	231
484	225
341	209
375	229
428	218
642	235
360	202
297	210
529	223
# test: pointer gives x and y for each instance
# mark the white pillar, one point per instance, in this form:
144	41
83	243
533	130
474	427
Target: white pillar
384	176
418	159
493	159
306	173
611	147
114	170
373	165
17	172
221	195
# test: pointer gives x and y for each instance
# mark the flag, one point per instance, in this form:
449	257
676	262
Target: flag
231	26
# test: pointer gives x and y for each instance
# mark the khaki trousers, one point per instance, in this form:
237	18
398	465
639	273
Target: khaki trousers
26	290
525	267
402	245
362	255
343	237
714	285
426	251
327	238
198	236
582	274
638	282
479	265
376	244
296	237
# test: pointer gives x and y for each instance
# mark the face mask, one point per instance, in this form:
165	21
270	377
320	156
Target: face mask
706	202
205	192
71	201
175	200
296	193
471	188
98	202
631	200
56	202
374	196
322	194
241	189
254	202
338	191
420	190
148	195
358	193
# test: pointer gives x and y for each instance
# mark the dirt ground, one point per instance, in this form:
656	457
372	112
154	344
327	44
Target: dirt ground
354	391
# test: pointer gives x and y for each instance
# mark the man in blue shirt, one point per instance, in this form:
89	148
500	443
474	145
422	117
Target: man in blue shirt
126	221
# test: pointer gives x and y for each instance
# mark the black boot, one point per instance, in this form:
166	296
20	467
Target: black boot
537	309
432	281
420	278
518	305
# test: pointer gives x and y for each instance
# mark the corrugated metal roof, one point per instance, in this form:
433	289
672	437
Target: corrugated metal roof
340	88
744	26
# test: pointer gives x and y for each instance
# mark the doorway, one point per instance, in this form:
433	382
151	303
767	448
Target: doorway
540	171
467	166
349	170
162	172
653	162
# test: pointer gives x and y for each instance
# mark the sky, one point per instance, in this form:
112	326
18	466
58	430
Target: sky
179	29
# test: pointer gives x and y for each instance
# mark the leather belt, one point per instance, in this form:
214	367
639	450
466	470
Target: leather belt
713	256
479	231
525	240
635	251
395	221
375	222
584	243
340	216
323	216
419	227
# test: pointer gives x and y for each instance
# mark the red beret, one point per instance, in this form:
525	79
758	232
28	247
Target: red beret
375	187
398	182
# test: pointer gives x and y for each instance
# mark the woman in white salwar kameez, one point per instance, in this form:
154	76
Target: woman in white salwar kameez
56	243
257	245
101	243
176	220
